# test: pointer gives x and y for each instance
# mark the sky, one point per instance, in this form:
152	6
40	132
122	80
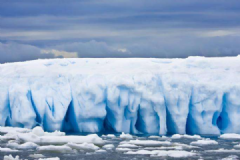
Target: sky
38	29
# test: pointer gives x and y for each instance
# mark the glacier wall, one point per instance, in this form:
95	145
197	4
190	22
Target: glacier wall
196	95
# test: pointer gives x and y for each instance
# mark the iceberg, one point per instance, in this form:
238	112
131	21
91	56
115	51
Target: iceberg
196	95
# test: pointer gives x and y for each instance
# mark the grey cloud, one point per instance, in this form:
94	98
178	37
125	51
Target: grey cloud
13	52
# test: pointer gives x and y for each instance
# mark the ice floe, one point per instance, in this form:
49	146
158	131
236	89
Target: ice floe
231	157
204	142
54	158
148	143
8	150
126	136
27	145
83	146
108	146
56	140
40	132
127	145
56	149
10	157
36	156
178	136
230	136
170	153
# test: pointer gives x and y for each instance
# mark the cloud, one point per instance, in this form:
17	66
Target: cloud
13	52
218	33
58	53
119	28
93	49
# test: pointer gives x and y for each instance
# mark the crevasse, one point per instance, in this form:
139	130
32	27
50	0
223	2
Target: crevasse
196	95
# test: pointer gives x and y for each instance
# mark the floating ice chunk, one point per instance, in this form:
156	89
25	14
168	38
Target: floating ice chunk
36	156
14	130
204	142
54	158
237	146
170	153
12	144
126	136
55	133
230	136
7	137
231	157
38	131
111	136
7	150
56	140
178	136
123	149
27	145
149	143
184	146
175	154
101	151
154	137
83	146
10	157
127	145
108	146
222	150
56	149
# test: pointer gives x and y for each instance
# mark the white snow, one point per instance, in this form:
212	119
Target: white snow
204	142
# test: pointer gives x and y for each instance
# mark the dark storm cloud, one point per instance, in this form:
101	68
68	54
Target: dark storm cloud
119	28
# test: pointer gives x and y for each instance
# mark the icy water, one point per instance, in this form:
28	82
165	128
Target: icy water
210	151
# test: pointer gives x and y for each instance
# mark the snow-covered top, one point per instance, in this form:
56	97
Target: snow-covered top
108	66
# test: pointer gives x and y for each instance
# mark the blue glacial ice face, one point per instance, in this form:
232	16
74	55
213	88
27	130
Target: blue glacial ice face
229	119
177	97
204	110
22	113
88	107
50	99
194	96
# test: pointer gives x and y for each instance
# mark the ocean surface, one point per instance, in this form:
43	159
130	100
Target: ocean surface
223	150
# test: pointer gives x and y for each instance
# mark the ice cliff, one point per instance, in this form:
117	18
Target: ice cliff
196	95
